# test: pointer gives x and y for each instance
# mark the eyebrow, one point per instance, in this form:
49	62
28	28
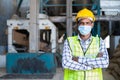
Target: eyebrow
85	22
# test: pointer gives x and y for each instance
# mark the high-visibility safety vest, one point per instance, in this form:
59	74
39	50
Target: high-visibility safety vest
91	52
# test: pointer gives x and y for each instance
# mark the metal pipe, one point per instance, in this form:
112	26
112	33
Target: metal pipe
56	5
69	17
108	18
46	1
18	7
34	29
110	27
98	8
98	18
41	6
98	28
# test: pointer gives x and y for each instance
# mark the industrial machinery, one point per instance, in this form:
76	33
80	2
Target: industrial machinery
48	33
19	60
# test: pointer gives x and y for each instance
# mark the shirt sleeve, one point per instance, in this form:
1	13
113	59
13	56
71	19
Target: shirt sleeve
100	62
67	61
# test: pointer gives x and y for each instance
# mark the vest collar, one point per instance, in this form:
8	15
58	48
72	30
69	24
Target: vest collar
89	39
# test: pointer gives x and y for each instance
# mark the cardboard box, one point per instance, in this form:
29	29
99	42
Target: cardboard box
20	38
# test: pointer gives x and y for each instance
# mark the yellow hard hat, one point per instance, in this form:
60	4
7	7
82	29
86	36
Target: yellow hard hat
85	13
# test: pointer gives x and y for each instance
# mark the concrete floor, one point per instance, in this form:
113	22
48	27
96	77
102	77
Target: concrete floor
58	75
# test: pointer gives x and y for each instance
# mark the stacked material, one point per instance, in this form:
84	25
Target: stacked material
114	66
112	7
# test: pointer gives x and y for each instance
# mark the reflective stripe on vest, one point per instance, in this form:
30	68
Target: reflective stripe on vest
92	51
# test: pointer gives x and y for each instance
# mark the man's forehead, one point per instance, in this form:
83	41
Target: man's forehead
85	19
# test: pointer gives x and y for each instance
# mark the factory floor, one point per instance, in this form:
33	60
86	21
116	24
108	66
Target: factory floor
57	76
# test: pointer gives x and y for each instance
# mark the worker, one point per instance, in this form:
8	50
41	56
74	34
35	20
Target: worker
84	55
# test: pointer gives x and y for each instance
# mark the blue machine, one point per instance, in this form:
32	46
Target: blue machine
19	60
31	63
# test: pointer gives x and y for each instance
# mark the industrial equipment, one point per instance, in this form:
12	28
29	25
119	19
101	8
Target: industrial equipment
20	29
19	60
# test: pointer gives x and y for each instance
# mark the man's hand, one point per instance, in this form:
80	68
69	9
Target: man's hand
75	58
100	54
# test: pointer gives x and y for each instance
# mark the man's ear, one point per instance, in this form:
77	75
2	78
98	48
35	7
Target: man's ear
92	24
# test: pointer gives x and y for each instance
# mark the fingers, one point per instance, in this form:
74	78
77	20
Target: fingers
75	59
100	54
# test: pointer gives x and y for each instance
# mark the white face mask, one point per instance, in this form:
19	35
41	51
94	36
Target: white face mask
84	29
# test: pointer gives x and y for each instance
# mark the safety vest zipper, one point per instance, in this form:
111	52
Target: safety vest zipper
84	75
